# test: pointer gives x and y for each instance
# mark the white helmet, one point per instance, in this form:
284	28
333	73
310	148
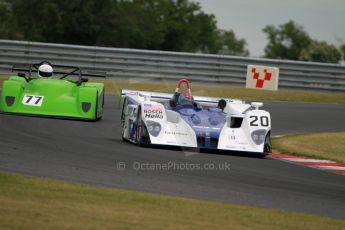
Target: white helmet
45	70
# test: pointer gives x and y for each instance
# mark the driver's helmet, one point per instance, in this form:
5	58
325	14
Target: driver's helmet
45	70
185	99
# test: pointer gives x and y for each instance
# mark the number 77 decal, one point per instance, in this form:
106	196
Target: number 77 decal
32	100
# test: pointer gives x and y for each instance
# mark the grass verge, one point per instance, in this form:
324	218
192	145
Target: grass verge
329	146
226	91
32	203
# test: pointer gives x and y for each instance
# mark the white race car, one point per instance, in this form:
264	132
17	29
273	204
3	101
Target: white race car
179	119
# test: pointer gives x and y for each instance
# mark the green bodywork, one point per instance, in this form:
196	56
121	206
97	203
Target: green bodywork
52	97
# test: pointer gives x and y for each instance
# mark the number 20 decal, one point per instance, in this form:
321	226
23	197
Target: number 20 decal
32	100
255	121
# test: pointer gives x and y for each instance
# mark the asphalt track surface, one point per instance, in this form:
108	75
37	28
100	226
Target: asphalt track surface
93	153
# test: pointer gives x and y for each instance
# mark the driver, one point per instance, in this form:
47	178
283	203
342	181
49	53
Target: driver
182	99
185	99
45	70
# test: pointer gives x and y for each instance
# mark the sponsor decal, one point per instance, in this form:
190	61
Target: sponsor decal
241	143
153	114
176	133
200	127
205	127
153	111
171	142
232	137
207	134
235	147
152	107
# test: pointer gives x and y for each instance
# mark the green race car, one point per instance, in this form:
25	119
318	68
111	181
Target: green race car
44	90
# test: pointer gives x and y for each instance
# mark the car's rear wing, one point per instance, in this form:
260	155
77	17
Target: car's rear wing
155	96
64	70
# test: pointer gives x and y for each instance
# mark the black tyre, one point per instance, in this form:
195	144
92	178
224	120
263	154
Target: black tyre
96	110
267	145
100	117
142	135
122	130
123	117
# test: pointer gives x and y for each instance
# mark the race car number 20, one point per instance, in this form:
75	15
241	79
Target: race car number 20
32	100
259	121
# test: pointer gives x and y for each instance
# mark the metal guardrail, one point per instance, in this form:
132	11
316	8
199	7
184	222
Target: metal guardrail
143	64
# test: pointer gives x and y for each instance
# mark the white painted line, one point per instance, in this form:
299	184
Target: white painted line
303	160
329	167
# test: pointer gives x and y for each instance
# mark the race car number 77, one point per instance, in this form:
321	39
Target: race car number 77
32	100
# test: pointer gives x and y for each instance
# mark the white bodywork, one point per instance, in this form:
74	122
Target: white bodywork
245	129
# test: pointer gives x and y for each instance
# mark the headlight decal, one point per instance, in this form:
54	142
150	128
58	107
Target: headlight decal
258	136
154	128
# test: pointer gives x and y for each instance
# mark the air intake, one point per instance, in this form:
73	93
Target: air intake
86	106
10	100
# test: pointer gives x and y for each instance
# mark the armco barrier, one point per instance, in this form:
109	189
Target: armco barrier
143	64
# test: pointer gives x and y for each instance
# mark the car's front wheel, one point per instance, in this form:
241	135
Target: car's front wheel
142	137
267	145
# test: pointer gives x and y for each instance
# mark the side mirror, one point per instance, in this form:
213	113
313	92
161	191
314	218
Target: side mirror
176	96
221	104
172	103
147	97
257	105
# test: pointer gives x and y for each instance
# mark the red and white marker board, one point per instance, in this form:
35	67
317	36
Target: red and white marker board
262	77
